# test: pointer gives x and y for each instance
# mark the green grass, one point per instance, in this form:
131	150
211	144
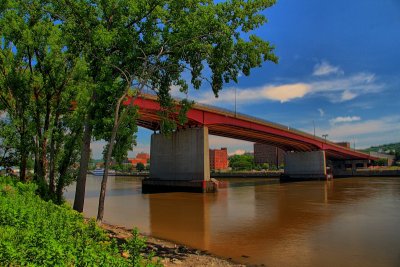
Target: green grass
38	233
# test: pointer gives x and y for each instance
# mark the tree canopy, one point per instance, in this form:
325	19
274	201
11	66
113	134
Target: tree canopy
96	53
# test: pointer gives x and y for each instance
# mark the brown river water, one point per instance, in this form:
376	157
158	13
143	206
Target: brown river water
344	222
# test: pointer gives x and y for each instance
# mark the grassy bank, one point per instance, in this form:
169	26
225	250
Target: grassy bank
38	233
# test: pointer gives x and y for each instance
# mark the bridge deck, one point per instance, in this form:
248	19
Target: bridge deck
225	123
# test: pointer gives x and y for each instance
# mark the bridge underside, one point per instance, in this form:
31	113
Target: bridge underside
308	155
286	139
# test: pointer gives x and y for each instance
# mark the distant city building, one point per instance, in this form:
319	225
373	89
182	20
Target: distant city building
390	158
219	159
140	157
344	144
272	155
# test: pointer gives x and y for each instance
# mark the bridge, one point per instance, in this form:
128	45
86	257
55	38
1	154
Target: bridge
183	157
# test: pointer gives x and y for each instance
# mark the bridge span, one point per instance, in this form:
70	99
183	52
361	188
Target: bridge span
307	155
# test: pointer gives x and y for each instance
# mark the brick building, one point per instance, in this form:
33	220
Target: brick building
219	159
140	157
264	153
344	144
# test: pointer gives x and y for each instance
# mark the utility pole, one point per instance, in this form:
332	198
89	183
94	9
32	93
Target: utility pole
235	101
313	122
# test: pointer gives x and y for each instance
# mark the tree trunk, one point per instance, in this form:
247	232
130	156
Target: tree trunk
66	162
22	167
83	167
100	211
117	120
24	154
53	154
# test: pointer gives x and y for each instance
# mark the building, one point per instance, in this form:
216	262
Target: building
343	144
140	157
219	159
390	159
271	155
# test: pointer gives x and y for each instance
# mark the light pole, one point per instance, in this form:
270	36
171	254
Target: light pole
235	101
313	122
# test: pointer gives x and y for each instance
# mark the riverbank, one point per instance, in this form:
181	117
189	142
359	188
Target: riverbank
170	253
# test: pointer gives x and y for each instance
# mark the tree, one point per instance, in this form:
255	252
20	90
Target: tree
140	167
241	162
39	79
8	143
154	44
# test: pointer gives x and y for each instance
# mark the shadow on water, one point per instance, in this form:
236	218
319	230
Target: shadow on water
344	222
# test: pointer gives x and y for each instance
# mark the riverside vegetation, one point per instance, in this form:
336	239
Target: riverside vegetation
38	233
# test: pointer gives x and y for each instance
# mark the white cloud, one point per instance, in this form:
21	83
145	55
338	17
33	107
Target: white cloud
336	90
366	133
286	92
324	68
321	112
344	119
216	142
237	152
347	95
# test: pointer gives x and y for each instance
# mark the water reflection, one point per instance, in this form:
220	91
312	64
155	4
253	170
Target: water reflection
344	222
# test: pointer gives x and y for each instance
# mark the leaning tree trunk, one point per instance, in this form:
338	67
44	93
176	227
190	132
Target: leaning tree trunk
117	120
79	200
100	211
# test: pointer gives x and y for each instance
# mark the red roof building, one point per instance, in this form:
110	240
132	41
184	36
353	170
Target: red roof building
219	159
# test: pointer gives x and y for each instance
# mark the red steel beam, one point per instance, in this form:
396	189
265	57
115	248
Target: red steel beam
228	124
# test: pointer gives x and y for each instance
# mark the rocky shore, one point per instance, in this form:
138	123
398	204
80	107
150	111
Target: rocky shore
169	253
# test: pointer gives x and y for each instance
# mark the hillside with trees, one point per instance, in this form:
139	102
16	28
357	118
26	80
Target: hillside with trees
387	148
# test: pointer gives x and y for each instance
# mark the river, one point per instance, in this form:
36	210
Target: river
344	222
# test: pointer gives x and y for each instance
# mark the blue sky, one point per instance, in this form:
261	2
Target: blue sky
339	67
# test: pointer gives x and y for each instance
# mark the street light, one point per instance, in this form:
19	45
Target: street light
313	122
235	101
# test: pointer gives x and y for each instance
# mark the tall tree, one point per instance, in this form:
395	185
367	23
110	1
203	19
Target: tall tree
154	43
39	79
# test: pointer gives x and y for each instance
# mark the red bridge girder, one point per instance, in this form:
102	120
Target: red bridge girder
228	124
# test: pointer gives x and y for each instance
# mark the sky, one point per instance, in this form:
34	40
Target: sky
339	69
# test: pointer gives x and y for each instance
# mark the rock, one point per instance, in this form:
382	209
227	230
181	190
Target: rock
176	261
125	254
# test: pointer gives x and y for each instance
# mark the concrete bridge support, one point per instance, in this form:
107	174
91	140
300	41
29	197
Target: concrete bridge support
305	165
180	162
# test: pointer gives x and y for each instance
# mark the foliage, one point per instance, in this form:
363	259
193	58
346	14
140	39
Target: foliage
8	141
135	245
393	147
39	80
132	45
241	162
140	167
381	162
38	233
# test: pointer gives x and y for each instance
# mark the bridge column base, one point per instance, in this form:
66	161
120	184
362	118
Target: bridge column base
180	162
305	166
161	186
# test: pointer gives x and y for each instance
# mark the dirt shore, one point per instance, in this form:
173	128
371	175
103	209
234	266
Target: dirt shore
172	254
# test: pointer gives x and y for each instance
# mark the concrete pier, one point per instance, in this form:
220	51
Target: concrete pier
305	165
180	162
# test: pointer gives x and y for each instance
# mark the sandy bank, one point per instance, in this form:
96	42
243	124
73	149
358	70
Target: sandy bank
172	254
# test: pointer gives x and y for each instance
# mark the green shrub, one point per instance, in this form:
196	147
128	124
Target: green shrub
38	233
